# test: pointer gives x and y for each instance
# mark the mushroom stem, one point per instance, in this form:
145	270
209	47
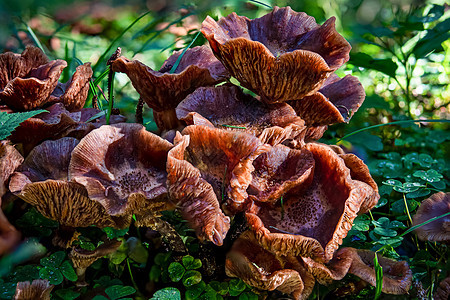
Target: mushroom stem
167	119
139	111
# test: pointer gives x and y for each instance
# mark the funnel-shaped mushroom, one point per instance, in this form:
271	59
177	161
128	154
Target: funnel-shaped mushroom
397	276
58	123
438	230
281	56
10	159
261	269
82	258
39	289
443	291
42	182
336	102
313	220
74	92
123	167
162	90
28	79
228	107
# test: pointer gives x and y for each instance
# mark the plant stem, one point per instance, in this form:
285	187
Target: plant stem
132	277
393	123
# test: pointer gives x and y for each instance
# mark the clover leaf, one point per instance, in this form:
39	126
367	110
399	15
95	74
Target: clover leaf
430	175
191	263
169	293
55	268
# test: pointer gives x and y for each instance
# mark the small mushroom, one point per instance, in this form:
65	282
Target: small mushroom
262	269
82	258
74	92
227	107
281	56
39	289
123	167
27	80
438	230
397	276
443	291
162	90
313	220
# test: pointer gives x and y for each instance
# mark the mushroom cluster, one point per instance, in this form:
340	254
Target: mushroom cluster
226	152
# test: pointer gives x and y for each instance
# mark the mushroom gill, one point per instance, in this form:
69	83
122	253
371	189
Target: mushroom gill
42	181
39	289
434	206
281	56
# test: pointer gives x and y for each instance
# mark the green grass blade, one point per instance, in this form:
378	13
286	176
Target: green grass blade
379	277
34	37
424	223
158	32
111	45
101	77
261	3
393	123
177	62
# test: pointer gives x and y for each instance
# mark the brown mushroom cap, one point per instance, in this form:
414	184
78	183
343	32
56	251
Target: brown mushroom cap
42	182
74	92
443	291
39	289
359	171
224	159
31	90
336	102
228	107
438	230
294	54
264	270
58	123
123	167
397	276
19	65
82	258
194	195
278	171
10	159
163	90
312	223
